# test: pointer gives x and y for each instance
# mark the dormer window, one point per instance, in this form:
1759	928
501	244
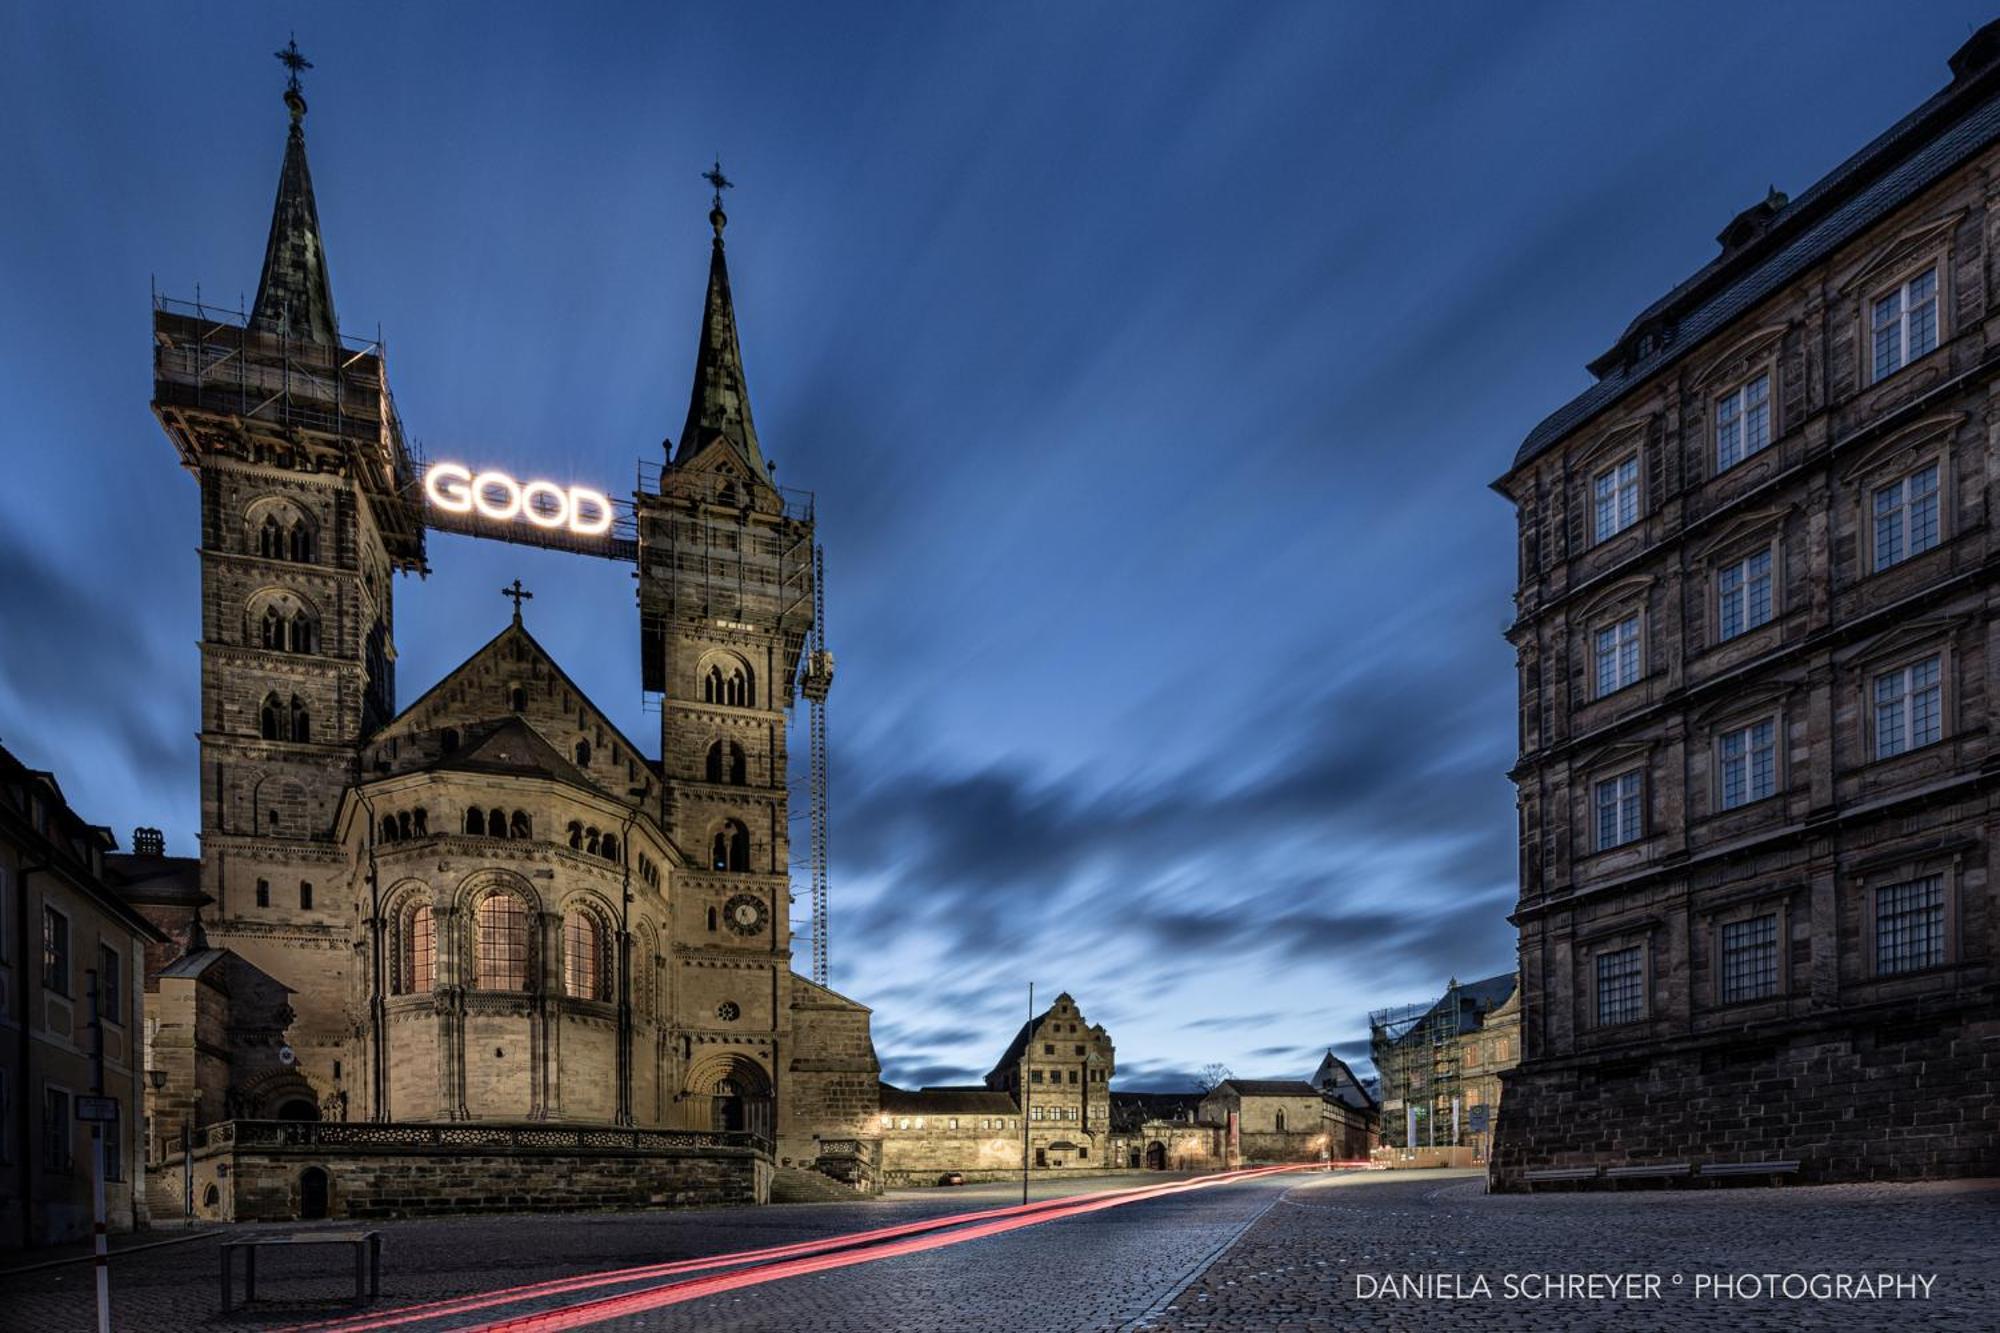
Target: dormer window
1905	322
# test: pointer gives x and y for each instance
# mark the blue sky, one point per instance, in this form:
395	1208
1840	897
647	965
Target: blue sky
1150	364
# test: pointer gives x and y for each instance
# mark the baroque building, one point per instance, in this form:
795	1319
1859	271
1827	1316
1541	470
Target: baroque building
489	906
1757	773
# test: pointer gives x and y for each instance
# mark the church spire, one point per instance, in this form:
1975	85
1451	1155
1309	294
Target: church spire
294	293
720	404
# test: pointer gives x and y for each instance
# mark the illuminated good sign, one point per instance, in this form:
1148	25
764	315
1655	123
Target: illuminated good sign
456	489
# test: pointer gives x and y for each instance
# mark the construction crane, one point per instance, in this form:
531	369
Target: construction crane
815	679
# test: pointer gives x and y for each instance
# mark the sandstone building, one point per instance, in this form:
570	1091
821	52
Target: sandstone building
1439	1064
71	952
488	907
1755	620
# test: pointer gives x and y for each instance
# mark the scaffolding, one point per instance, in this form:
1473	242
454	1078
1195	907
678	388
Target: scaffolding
1415	1049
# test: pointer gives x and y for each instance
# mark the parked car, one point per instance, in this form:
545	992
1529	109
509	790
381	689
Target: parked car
952	1178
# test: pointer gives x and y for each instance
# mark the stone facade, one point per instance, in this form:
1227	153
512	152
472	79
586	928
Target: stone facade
1484	1055
1758	915
1286	1120
490	906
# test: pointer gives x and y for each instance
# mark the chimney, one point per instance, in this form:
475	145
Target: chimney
148	842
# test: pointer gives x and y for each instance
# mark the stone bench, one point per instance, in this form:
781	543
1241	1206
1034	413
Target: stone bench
1649	1171
367	1261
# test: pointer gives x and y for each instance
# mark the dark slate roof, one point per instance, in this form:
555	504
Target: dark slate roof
294	291
168	880
720	402
1269	1087
194	964
1336	1080
946	1101
1131	1109
515	748
1915	153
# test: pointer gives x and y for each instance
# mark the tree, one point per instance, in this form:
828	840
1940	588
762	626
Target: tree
1211	1076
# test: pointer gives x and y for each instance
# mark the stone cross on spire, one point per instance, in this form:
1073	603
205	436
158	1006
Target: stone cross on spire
520	595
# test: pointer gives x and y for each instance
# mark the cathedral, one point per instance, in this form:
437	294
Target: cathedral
485	921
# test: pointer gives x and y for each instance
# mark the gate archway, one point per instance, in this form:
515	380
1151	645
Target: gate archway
313	1193
1156	1156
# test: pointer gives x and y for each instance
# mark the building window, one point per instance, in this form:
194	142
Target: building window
726	763
1615	499
1034	1076
1621	988
1909	926
953	1123
1909	709
305	895
263	893
583	754
1750	959
55	951
1618	809
730	847
583	958
1748	758
502	956
1743	595
1616	651
56	1132
1905	323
1281	1121
419	952
1906	517
1742	422
110	985
727	684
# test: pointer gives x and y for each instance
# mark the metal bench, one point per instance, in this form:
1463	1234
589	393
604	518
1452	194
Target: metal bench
1649	1171
367	1261
1775	1170
1551	1175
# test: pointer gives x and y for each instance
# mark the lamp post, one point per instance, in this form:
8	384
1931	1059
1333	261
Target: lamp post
1027	1046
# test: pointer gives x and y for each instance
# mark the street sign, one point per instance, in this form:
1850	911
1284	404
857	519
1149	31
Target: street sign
97	1108
1476	1119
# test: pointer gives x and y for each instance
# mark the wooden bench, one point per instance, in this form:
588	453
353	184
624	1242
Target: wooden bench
1777	1171
1551	1175
1649	1171
367	1261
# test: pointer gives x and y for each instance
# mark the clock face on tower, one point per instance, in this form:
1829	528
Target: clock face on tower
745	913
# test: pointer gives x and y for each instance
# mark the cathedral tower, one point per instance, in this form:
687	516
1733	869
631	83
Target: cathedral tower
725	593
306	512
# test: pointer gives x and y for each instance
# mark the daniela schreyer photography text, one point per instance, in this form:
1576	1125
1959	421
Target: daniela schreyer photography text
1644	1286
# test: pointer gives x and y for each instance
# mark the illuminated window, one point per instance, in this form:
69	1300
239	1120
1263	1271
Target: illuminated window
584	974
1621	994
1615	499
1615	649
1617	802
1909	926
1906	517
1743	595
1905	323
419	952
1750	959
1742	422
1748	758
502	956
1909	709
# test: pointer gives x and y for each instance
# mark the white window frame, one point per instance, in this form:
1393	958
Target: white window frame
1627	643
1903	512
1904	701
1747	758
1629	819
1899	321
1638	1011
1738	410
1618	506
1742	594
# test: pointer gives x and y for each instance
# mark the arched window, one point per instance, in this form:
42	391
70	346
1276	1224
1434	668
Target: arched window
272	635
584	973
388	828
475	822
583	754
301	723
496	823
271	719
608	848
575	835
730	848
301	637
726	764
403	825
449	740
423	819
271	539
519	826
418	961
501	958
301	542
590	841
711	920
1281	1122
517	699
727	683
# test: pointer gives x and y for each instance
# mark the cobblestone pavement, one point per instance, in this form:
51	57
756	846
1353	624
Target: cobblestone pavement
1305	1264
1285	1253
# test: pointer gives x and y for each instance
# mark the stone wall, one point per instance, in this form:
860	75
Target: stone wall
1904	1098
253	1171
